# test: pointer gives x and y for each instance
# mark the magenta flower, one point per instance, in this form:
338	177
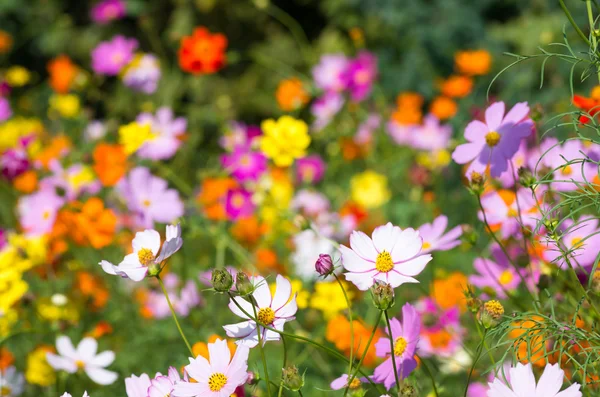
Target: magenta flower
108	10
143	74
238	204
430	136
325	108
496	141
5	111
310	169
110	57
579	239
434	238
360	75
37	212
329	73
167	130
406	337
13	163
245	165
240	135
392	255
150	198
495	277
3	238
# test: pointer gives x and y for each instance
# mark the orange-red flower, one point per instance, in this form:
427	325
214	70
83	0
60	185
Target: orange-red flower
457	86
473	63
338	333
26	182
212	196
248	231
62	73
408	108
291	94
6	42
110	163
450	292
589	105
202	52
87	223
92	287
443	108
6	358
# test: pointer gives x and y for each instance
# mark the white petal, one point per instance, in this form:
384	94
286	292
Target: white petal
408	245
149	239
108	267
262	293
550	382
414	266
385	237
363	245
86	350
287	310
219	356
522	379
186	389
101	376
65	348
240	330
354	263
283	292
103	359
363	281
61	363
247	306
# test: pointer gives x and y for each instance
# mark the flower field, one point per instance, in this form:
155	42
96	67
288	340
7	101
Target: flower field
303	197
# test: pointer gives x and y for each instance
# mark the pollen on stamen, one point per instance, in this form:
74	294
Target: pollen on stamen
492	138
145	256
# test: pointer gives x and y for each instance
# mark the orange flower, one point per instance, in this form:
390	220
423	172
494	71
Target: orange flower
87	224
589	105
92	287
59	146
62	73
443	108
202	52
450	292
266	260
338	333
101	329
352	150
110	163
473	63
201	348
409	99
291	94
534	349
408	108
26	182
212	196
6	42
457	86
355	210
6	358
248	230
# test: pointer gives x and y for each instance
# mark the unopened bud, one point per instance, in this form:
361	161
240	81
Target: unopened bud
383	295
243	284
221	280
526	178
292	379
491	313
324	265
253	378
477	183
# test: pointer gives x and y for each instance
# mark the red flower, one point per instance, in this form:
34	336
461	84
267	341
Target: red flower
589	105
202	52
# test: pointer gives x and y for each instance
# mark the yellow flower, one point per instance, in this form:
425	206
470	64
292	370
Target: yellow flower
329	298
38	371
133	135
17	76
14	129
57	307
22	253
434	160
284	140
12	288
8	318
84	176
67	106
370	189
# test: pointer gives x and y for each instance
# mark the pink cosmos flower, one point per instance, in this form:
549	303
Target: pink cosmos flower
541	156
74	180
162	385
496	141
522	383
498	212
240	135
37	211
431	135
310	169
508	178
441	324
329	73
84	357
5	111
245	165
143	73
149	198
110	57
325	108
366	129
392	255
218	377
167	131
401	134
137	386
146	246
182	298
406	337
579	239
342	382
108	10
434	238
571	169
360	75
310	203
491	275
238	204
273	311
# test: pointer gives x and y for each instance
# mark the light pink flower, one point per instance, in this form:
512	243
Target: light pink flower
37	211
392	255
137	386
522	383
434	238
162	385
498	278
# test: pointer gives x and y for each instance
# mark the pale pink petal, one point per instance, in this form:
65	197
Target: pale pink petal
414	266
262	293
522	379
287	310
476	131
363	245
283	292
354	263
494	115
219	355
185	389
363	281
467	152
247	306
408	245
517	113
198	368
571	391
397	279
550	382
385	237
499	389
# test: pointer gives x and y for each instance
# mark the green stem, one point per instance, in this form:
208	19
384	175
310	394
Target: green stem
283	366
351	323
478	354
484	342
373	332
588	4
426	367
389	326
572	21
174	315
300	393
262	349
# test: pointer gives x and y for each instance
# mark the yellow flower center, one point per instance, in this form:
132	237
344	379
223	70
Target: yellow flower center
237	201
512	212
146	203
266	315
5	391
567	170
426	245
494	308
46	215
399	346
492	138
384	262
576	242
355	384
80	364
217	381
506	277
145	256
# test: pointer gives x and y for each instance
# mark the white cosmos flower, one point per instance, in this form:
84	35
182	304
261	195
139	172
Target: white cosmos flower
84	357
272	311
146	247
11	382
522	383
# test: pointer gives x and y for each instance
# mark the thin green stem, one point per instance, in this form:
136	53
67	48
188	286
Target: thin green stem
588	4
351	323
283	366
484	341
572	21
162	285
389	326
477	355
300	393
373	332
262	349
426	367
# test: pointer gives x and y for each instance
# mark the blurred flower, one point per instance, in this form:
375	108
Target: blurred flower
431	135
12	383
212	196
570	169
473	62
249	230
591	105
238	204
59	146
202	52
341	383
338	333
310	203
95	130
8	317
329	73
325	108
509	212
6	358
408	111
6	42
310	169
494	277
146	246
405	335
38	371
26	182
57	308
183	298
17	76
73	181
496	141
5	111
329	298
245	165
441	333
13	163
66	106
142	73
63	73
92	286
457	86
240	135
284	140
89	223
221	376
150	198
364	133
84	357
443	108
308	246
273	311
434	238
450	292
110	57
291	94
163	139
135	135
163	385
137	386
12	289
110	163
37	212
392	256
107	10
360	75
523	383
573	248
369	189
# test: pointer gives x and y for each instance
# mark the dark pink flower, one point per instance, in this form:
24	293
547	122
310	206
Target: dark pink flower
110	57
108	10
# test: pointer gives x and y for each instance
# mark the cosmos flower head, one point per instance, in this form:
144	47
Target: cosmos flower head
107	11
245	165
522	383
329	73
360	75
166	130
434	238
143	73
110	57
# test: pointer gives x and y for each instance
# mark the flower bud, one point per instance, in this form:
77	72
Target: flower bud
324	265
292	380
243	284
221	280
491	313
526	178
383	295
477	183
154	270
253	378
408	391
